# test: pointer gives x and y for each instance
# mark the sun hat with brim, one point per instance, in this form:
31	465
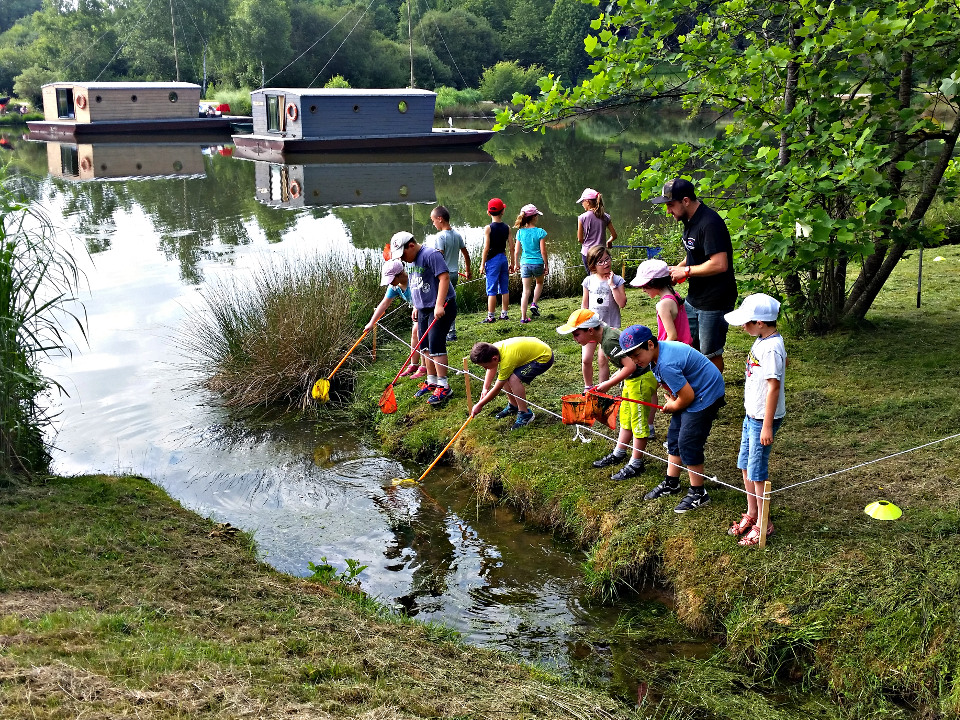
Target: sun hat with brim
676	189
580	320
496	205
754	307
632	338
588	194
391	268
649	270
528	210
397	243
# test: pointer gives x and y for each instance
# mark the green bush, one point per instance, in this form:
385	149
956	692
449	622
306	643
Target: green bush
337	81
448	97
238	99
500	82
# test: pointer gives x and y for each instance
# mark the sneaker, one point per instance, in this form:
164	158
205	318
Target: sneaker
452	336
664	488
504	316
523	418
411	369
666	445
524	321
692	501
440	396
425	389
627	472
611	459
535	311
508	411
739	528
421	372
651	432
489	319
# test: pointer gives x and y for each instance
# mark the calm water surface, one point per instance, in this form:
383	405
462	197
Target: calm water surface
154	223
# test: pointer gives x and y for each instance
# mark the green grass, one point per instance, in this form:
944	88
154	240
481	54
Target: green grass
839	601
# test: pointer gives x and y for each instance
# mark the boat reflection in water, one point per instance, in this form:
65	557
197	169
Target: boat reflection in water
127	160
351	179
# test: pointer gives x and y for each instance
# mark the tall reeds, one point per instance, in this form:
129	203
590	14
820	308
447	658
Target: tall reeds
38	281
268	338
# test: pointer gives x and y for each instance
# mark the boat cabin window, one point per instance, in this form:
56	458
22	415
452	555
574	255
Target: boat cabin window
69	161
65	102
273	113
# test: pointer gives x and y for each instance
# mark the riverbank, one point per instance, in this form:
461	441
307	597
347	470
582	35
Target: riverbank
860	607
117	602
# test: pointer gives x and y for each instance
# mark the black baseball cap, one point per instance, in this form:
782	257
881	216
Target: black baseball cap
676	189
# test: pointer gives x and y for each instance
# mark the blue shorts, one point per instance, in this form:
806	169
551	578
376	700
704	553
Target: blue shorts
688	432
753	456
436	342
528	372
498	276
527	270
708	329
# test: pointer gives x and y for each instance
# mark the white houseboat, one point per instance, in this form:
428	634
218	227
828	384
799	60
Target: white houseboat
296	120
109	108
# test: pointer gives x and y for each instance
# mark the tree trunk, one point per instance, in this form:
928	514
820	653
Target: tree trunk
791	282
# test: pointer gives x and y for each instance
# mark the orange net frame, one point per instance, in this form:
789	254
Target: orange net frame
574	410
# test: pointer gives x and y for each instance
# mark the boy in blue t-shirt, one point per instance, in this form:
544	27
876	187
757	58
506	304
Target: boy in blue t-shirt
394	276
695	392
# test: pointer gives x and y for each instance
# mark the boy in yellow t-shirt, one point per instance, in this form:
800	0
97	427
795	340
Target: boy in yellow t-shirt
513	362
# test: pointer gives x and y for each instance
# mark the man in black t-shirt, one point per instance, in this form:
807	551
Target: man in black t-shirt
708	266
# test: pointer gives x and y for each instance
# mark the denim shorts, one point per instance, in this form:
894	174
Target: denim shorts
688	432
708	329
436	342
753	456
498	275
528	372
527	270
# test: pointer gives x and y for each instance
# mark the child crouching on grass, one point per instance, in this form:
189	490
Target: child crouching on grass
513	362
638	384
763	401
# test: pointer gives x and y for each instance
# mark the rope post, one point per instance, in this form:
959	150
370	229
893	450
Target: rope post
623	268
765	514
466	380
374	342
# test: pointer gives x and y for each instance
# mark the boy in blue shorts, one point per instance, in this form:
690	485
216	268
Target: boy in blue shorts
763	401
495	261
514	362
695	391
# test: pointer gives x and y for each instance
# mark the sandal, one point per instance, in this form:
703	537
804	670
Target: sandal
489	319
739	528
753	537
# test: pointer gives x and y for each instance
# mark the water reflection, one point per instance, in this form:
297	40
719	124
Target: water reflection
124	161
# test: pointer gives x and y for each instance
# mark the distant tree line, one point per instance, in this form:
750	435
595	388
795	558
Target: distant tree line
296	43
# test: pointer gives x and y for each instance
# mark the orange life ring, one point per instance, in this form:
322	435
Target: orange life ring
292	111
81	101
85	164
294	189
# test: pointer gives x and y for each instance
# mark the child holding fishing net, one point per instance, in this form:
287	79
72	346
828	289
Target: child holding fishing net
394	276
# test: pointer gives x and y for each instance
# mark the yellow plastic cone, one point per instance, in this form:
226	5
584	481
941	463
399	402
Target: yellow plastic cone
883	510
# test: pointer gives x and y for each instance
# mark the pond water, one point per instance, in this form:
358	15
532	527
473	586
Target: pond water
153	222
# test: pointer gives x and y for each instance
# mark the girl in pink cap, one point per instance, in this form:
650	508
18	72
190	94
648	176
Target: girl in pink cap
530	255
593	224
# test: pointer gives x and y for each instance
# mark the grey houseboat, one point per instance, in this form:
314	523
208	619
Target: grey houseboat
292	120
110	108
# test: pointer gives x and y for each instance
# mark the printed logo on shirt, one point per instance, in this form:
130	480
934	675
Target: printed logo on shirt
689	243
752	363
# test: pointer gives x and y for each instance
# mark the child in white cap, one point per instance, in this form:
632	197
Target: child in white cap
763	401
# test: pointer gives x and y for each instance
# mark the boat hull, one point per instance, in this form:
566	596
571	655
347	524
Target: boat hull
54	129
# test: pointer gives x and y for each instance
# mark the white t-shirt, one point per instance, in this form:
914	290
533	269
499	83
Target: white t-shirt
766	360
601	298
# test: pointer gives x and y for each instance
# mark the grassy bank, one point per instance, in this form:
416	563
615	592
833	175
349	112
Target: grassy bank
863	608
116	602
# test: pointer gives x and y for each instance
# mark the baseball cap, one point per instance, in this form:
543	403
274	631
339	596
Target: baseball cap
391	268
676	189
397	242
496	206
580	320
631	338
528	210
754	307
648	270
588	194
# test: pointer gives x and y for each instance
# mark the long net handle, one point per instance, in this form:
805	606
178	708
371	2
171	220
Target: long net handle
615	397
360	340
416	347
452	441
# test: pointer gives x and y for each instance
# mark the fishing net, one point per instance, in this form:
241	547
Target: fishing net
575	410
388	401
603	409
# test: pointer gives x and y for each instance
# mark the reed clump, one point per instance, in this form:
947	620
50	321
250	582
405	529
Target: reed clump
268	338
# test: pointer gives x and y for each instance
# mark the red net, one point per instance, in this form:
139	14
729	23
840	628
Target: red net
388	401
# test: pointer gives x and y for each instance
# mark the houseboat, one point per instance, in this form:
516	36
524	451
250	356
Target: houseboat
298	120
73	109
356	179
125	161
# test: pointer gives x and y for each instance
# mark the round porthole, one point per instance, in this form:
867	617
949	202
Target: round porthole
99	98
404	191
313	108
402	107
103	166
356	108
177	165
173	97
139	166
133	98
